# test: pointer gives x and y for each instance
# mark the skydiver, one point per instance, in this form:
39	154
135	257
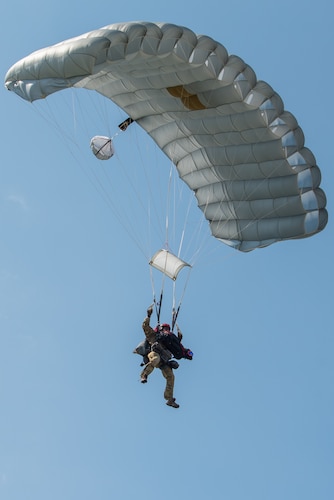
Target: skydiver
172	342
158	348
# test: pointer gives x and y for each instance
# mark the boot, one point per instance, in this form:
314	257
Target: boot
173	403
143	379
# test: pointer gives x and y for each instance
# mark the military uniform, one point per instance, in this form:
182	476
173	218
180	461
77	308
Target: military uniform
157	359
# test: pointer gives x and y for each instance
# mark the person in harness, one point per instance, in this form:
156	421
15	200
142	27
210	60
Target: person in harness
158	349
172	342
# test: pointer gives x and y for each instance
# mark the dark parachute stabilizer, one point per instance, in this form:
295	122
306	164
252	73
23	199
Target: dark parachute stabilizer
227	133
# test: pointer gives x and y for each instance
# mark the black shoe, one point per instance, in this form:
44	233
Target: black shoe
173	403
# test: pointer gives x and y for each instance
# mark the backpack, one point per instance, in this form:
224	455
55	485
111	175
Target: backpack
173	344
143	349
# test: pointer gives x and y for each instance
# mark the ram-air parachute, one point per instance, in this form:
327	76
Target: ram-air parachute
228	134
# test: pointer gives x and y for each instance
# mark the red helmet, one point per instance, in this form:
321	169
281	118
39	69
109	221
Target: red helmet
165	326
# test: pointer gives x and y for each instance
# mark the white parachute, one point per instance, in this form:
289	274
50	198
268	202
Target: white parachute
102	147
229	136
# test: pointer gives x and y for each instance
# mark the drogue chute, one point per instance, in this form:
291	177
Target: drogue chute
102	147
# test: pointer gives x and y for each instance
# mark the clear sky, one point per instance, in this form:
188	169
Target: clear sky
257	402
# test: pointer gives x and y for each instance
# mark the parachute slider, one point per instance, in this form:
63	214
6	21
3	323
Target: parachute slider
168	263
124	125
102	147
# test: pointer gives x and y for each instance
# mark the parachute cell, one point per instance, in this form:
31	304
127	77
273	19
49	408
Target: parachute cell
228	134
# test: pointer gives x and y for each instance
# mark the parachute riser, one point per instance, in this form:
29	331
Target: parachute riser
158	306
175	314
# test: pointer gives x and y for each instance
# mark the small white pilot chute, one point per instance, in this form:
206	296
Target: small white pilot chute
168	263
102	147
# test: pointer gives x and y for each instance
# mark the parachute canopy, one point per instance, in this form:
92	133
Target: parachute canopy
102	147
168	263
231	139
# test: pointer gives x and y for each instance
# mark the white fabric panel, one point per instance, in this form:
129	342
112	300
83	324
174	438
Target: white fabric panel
168	263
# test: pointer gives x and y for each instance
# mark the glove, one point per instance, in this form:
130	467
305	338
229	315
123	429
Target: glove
188	354
150	311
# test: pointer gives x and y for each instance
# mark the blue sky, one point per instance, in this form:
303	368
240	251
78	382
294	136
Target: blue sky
257	401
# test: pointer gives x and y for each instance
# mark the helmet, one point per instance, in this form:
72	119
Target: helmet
165	326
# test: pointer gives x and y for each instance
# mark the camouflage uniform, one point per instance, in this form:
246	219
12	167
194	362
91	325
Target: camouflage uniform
157	359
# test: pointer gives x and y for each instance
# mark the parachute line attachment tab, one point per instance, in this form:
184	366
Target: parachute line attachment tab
124	125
